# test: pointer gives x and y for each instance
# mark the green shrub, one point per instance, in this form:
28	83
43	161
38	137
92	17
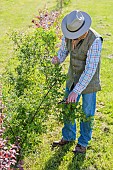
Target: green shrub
31	87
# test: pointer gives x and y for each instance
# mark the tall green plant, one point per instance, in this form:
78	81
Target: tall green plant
32	87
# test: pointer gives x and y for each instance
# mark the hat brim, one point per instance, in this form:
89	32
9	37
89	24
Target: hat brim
81	31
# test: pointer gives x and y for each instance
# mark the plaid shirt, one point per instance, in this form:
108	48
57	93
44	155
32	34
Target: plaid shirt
93	57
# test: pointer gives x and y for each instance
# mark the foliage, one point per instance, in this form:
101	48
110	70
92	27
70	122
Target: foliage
8	152
71	111
32	89
46	19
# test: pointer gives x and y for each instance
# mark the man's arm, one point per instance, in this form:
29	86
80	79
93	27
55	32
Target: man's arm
62	53
93	57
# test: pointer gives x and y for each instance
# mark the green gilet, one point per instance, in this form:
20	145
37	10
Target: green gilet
78	57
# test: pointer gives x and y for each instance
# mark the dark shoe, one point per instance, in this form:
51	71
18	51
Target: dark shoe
79	149
61	142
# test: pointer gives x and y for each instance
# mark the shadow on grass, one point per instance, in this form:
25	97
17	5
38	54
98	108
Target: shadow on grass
77	161
54	162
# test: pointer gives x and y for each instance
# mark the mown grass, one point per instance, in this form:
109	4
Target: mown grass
99	156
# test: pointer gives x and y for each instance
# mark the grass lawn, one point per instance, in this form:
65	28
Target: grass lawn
99	156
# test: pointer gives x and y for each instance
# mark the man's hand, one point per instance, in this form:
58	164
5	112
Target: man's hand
72	97
55	60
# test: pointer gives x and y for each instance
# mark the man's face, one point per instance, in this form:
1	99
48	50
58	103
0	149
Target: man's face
81	37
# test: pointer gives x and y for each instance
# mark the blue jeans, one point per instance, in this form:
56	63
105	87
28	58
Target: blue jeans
69	129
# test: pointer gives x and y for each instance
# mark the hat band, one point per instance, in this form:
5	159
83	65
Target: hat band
78	28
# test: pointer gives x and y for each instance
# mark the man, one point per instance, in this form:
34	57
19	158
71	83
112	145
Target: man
84	45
